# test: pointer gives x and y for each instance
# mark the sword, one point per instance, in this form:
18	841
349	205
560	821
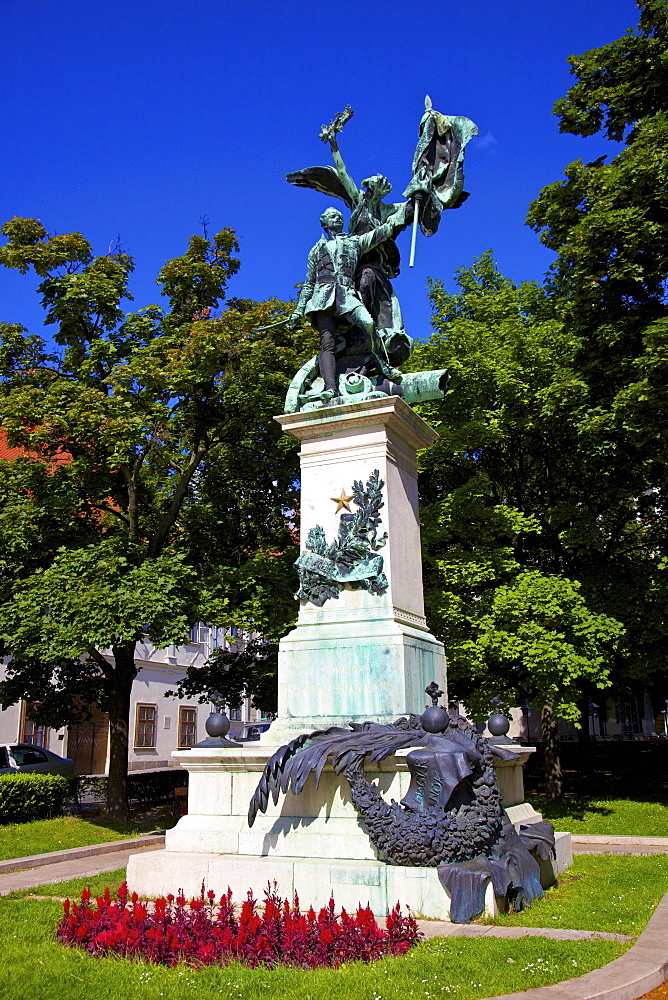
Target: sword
259	329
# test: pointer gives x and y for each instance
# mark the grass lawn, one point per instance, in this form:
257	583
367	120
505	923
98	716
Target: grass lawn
35	966
618	817
44	835
600	892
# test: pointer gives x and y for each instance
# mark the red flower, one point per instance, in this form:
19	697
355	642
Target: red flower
194	933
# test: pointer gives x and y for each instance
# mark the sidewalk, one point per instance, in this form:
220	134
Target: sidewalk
47	872
442	928
606	844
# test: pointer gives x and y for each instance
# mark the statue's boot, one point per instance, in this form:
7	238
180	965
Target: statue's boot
393	374
380	355
327	363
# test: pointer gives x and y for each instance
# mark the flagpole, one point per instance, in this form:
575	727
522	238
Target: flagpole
411	262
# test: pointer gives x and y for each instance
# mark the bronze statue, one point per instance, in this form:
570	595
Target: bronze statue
363	340
451	818
330	296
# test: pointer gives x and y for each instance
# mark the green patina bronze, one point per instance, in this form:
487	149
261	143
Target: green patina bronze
352	559
348	294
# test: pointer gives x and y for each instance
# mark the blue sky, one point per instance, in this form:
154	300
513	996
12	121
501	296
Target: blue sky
135	119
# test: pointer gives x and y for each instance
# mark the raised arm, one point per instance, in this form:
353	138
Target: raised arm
352	190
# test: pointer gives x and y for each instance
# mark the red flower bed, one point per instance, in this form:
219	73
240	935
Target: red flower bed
201	932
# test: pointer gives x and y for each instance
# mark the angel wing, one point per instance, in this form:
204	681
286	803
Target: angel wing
323	179
290	766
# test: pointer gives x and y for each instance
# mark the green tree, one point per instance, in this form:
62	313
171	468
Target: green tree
607	222
154	490
552	457
516	527
230	675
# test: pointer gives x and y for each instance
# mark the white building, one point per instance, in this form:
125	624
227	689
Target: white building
158	724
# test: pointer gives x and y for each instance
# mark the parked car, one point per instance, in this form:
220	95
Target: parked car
24	758
253	732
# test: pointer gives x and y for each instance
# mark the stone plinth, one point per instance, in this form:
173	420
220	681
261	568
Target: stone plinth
510	779
314	843
314	880
365	656
318	823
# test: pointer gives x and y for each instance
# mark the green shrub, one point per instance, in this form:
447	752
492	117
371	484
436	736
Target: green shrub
32	796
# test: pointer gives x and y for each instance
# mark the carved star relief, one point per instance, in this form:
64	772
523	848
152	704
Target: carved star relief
342	502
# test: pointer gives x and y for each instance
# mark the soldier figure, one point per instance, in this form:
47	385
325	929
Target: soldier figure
329	296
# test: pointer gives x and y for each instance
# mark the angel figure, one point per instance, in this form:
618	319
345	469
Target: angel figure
381	263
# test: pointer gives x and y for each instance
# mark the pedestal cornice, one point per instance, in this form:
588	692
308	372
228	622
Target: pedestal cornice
390	410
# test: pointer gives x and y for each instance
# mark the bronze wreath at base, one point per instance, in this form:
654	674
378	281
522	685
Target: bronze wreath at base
451	817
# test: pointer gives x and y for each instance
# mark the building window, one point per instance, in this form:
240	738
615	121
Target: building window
200	633
235	715
33	732
187	727
145	726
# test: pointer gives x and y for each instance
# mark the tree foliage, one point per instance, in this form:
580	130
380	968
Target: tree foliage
154	489
608	219
511	511
230	675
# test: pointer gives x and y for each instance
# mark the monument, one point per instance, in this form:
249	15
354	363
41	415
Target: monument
356	789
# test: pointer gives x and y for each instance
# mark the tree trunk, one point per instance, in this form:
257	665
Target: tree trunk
584	736
553	783
124	674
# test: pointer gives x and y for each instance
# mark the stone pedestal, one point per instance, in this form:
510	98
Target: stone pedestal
313	843
365	656
352	883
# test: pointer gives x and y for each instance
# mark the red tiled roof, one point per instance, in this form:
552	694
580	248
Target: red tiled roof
9	454
5	451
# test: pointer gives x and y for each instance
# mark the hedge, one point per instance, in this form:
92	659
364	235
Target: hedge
33	796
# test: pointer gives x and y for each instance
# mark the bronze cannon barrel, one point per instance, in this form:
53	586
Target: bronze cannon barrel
416	387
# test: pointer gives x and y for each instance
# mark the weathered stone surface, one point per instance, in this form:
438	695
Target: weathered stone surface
367	656
352	882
